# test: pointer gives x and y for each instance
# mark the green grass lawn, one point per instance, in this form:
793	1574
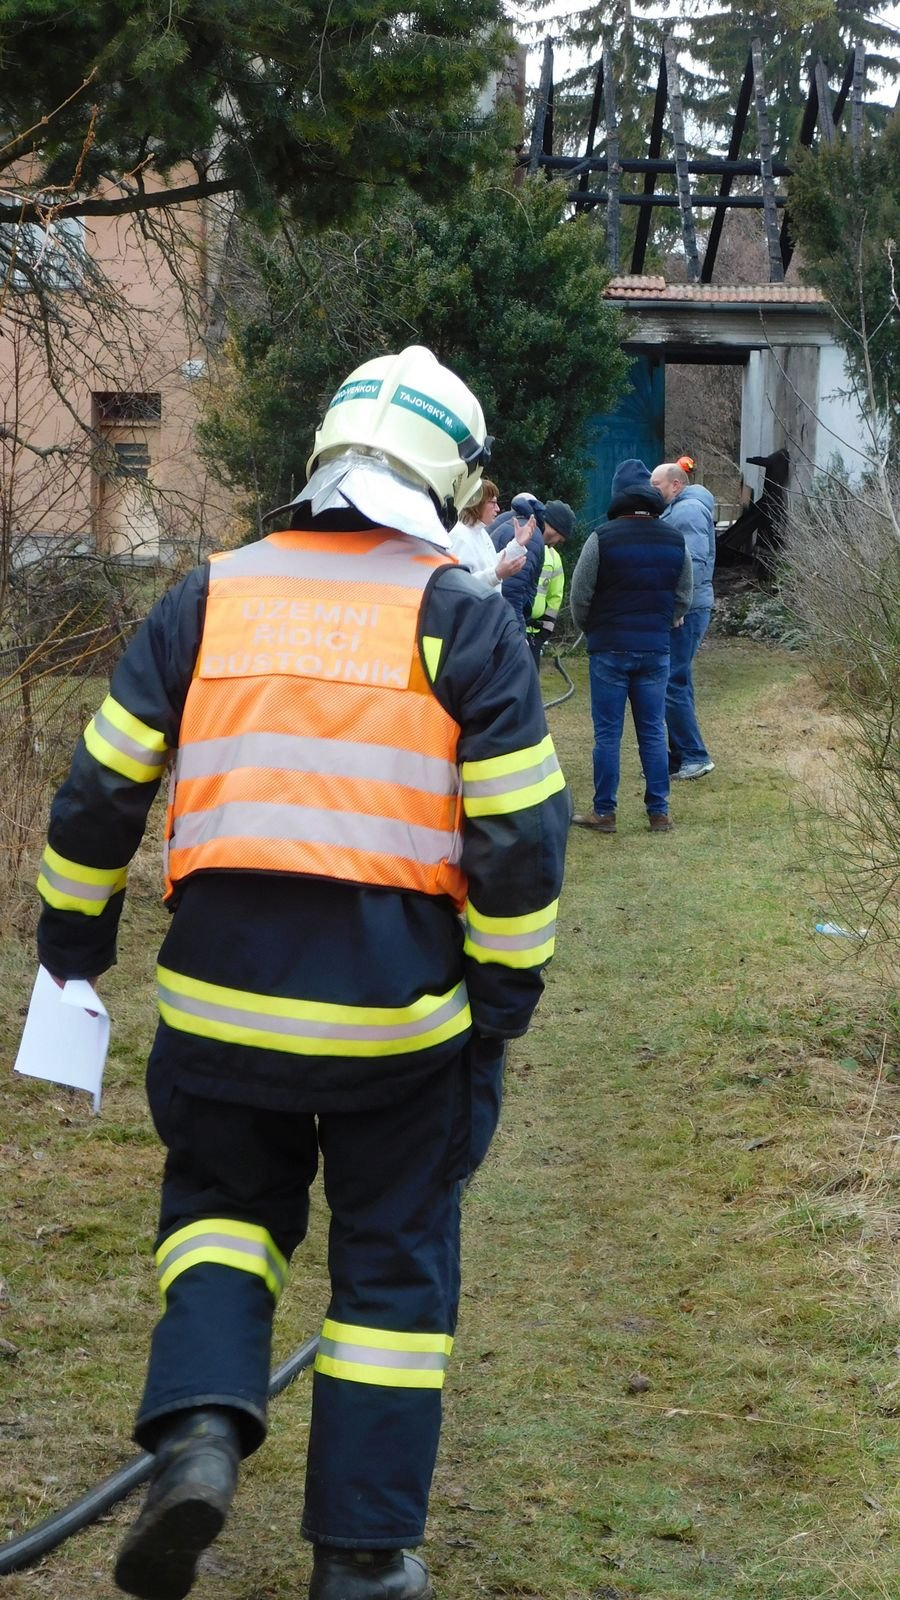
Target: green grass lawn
677	1368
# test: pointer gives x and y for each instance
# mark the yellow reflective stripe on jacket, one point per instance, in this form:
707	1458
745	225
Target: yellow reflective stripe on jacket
309	1027
224	1243
125	744
431	650
69	886
552	578
380	1356
525	941
510	783
555	590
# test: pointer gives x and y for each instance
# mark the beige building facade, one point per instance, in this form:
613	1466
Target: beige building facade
104	349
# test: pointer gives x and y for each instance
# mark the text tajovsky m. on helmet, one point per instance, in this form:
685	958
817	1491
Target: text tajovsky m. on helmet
419	415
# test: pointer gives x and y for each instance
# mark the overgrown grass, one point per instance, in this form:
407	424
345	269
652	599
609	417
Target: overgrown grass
676	1372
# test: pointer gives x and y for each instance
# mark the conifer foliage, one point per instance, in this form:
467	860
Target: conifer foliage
794	34
503	291
306	103
634	31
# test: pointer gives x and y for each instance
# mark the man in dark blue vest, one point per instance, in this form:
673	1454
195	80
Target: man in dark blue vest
632	585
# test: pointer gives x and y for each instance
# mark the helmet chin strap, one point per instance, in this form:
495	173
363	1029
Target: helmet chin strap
447	512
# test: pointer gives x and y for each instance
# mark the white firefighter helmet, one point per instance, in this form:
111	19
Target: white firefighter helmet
417	414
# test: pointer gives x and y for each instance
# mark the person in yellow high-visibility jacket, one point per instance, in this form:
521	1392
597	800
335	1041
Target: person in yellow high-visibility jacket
559	524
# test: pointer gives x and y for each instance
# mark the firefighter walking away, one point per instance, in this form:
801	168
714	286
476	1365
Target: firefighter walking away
364	855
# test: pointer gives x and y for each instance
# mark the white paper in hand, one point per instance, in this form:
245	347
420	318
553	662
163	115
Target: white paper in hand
60	1041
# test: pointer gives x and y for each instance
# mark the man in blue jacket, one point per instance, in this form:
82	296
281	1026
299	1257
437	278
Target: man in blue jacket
519	590
632	585
689	509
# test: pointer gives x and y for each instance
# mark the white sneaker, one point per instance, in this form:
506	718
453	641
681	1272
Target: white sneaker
694	769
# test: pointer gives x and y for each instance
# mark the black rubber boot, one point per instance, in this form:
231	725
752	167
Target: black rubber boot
368	1575
190	1495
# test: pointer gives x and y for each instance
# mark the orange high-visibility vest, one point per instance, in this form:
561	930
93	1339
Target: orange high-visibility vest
311	740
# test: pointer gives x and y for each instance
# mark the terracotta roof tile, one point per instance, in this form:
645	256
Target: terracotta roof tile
631	282
630	287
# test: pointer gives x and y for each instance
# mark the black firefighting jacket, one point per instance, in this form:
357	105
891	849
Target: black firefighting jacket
242	944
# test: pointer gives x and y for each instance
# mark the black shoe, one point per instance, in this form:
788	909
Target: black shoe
368	1575
188	1500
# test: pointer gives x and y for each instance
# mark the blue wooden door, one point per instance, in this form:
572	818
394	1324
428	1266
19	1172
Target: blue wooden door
637	428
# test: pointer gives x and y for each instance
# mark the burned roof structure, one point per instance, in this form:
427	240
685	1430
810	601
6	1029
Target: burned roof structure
602	160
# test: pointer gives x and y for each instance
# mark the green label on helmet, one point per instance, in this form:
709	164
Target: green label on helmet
359	389
431	411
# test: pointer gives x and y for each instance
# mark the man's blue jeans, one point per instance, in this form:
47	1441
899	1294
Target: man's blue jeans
685	739
640	676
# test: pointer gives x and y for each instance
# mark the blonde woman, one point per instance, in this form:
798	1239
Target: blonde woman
471	543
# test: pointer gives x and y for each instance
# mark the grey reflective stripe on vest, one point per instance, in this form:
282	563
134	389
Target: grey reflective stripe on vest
352	830
253	1249
511	941
78	888
306	1028
366	1355
391	562
126	746
345	758
477	788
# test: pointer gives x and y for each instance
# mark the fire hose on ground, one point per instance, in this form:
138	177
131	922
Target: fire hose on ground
30	1546
567	695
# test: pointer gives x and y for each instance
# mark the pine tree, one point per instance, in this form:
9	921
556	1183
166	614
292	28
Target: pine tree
307	104
635	40
794	33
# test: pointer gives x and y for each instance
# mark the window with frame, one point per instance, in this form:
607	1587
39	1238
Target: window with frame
49	257
124	408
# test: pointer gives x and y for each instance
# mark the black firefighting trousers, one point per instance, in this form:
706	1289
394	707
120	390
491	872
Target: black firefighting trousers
234	1207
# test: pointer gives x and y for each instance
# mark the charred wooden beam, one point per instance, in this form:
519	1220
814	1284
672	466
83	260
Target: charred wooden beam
739	202
592	133
702	167
734	150
688	232
805	139
542	111
846	85
776	266
642	232
613	168
856	108
855	61
826	114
